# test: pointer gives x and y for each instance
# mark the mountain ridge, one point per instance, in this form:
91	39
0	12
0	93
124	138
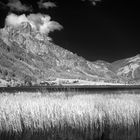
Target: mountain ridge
28	57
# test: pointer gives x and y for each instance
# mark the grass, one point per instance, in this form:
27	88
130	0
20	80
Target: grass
78	117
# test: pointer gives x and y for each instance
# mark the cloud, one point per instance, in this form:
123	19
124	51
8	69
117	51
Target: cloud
43	23
15	20
46	5
93	1
49	26
39	22
16	5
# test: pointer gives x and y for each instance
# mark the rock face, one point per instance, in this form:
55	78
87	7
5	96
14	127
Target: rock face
129	69
29	57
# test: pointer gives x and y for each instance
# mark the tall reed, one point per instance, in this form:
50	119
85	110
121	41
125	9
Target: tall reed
76	117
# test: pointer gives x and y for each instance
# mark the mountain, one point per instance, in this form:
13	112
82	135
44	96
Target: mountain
128	68
29	57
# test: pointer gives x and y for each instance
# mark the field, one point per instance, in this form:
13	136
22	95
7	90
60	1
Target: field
58	116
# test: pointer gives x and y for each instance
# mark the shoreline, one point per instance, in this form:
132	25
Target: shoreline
69	87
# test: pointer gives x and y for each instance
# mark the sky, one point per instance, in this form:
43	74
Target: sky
109	30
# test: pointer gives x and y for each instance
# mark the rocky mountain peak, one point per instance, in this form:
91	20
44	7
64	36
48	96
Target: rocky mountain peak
26	37
23	28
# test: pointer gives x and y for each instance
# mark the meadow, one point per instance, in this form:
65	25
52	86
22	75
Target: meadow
58	116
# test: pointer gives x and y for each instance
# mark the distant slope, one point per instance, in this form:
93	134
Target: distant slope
29	57
128	68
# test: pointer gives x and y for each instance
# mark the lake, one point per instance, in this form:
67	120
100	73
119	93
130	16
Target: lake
80	88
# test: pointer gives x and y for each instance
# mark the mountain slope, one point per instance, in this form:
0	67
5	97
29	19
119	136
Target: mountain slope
128	68
29	57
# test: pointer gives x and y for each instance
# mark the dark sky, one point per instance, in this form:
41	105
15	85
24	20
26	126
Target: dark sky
108	31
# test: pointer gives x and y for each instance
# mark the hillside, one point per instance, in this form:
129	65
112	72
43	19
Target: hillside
29	57
129	69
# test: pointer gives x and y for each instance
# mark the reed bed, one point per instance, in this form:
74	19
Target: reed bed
80	117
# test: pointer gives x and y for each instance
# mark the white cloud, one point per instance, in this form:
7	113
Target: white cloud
49	26
93	1
46	5
15	20
16	5
39	22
